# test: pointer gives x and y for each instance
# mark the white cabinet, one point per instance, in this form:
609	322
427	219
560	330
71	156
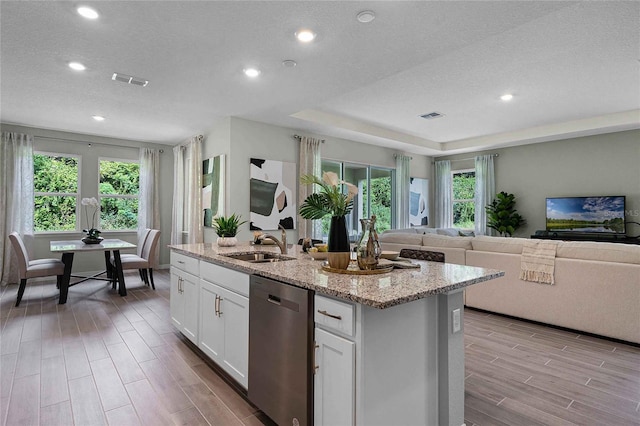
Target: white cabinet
224	323
334	380
184	295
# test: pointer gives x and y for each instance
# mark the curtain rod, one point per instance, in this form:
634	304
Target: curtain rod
90	143
300	137
396	156
466	159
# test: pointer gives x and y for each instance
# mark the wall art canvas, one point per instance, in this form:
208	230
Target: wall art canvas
418	201
272	194
212	188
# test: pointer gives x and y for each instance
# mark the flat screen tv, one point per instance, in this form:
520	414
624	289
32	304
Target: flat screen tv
586	214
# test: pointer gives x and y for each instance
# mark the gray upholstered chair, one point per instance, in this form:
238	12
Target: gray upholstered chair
431	256
33	268
145	261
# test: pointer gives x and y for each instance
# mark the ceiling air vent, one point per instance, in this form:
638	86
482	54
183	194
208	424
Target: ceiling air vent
432	115
129	79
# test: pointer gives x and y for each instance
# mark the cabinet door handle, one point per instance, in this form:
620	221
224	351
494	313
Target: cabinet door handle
181	262
219	306
179	278
216	305
338	317
315	367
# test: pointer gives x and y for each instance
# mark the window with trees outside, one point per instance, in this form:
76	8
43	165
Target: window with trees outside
55	185
375	195
118	193
464	185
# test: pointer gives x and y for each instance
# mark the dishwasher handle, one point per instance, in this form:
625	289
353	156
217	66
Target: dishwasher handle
274	299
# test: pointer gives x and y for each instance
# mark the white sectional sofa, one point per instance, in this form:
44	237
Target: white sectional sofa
596	290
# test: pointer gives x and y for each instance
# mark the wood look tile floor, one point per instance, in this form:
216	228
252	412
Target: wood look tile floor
106	359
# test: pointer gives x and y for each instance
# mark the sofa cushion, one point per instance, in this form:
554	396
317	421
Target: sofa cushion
498	244
452	232
434	240
605	252
402	231
401	238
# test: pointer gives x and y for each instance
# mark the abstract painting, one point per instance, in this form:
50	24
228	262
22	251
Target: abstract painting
418	201
272	194
212	188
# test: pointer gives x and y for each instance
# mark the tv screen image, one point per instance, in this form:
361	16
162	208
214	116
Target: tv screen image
586	214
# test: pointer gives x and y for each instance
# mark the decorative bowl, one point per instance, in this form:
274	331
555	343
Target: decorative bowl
88	240
391	255
319	255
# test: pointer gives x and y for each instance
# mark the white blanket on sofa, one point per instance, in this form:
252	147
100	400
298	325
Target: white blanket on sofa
538	261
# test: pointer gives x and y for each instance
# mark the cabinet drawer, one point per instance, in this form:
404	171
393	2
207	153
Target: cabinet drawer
225	277
186	263
334	315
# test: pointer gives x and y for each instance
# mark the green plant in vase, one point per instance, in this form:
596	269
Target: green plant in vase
227	228
502	215
331	200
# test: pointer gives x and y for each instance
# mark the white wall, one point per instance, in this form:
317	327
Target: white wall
250	139
607	164
72	143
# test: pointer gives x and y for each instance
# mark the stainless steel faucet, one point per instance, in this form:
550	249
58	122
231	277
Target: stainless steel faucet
282	244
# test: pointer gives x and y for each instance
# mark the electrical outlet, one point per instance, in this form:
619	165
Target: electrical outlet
455	319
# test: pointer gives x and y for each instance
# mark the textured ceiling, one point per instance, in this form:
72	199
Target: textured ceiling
572	66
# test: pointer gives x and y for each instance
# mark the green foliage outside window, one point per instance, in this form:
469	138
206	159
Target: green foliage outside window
464	184
122	181
380	201
55	192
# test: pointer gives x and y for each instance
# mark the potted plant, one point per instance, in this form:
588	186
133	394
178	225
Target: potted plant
227	228
330	200
93	234
502	216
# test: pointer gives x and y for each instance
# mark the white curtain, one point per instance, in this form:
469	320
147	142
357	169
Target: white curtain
149	197
16	199
444	194
402	190
177	213
187	191
309	164
485	191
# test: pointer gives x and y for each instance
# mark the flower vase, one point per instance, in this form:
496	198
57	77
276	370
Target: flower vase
227	241
339	247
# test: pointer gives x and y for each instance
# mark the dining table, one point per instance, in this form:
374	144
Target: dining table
108	246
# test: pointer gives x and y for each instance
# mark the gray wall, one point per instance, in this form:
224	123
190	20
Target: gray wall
243	139
72	143
607	164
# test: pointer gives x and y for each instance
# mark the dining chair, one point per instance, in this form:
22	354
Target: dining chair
145	262
33	268
431	256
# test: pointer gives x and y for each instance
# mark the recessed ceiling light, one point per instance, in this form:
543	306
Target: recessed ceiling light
366	16
87	12
251	72
288	63
98	117
305	36
506	97
77	66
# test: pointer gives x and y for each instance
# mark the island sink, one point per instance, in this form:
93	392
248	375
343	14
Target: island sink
260	257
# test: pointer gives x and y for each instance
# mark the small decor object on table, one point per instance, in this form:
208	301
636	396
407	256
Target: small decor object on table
330	200
368	248
93	234
227	228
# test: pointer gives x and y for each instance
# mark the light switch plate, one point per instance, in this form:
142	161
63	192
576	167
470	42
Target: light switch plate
455	320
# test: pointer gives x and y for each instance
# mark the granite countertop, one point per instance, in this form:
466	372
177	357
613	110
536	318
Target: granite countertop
379	291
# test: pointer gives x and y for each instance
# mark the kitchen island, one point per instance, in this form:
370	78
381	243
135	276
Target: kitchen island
389	347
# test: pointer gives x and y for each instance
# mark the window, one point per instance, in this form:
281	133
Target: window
464	184
375	195
118	193
55	184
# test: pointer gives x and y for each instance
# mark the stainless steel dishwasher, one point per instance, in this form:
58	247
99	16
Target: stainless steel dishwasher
281	351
